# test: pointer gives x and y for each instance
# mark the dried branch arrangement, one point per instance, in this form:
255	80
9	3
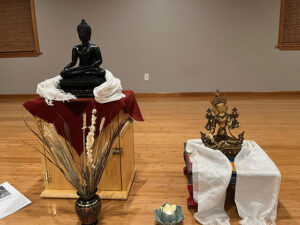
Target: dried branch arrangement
85	174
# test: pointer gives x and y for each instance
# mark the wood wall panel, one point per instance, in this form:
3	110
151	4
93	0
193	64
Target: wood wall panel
17	27
289	34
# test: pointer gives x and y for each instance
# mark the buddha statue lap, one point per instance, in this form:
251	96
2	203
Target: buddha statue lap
229	145
81	81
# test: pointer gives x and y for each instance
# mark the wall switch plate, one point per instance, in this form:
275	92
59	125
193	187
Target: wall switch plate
146	76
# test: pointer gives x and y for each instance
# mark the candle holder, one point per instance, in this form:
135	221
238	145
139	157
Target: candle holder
168	214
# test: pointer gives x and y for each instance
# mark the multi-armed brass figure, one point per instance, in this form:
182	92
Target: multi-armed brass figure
218	115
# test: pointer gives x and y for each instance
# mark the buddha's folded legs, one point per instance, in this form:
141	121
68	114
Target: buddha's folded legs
79	71
69	73
96	72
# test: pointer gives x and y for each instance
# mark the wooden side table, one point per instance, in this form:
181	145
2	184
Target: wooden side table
117	177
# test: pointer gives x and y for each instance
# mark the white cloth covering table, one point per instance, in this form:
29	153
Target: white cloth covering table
257	185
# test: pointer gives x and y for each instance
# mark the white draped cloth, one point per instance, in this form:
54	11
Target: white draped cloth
109	91
257	185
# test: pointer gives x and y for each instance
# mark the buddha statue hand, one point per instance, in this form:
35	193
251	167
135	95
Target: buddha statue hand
85	67
241	137
211	138
63	72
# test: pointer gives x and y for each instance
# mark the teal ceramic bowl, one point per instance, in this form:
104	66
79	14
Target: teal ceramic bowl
168	214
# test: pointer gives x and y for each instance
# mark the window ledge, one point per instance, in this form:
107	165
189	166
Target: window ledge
288	47
19	54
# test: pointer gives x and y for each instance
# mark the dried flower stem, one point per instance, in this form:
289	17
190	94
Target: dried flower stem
59	151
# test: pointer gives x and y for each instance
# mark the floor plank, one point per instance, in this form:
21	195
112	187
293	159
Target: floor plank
272	121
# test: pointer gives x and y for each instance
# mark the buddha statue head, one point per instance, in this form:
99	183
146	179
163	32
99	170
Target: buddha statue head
219	104
84	31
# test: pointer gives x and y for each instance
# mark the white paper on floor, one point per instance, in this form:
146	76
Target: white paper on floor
11	200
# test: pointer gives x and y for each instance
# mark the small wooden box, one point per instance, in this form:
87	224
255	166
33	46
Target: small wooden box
117	177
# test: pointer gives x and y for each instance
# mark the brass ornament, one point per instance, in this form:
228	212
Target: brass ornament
218	116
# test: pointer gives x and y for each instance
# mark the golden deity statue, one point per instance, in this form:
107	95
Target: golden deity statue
218	115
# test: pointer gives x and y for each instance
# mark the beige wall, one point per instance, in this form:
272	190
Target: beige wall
185	45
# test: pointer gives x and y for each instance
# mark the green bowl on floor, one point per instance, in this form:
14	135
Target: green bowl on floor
168	214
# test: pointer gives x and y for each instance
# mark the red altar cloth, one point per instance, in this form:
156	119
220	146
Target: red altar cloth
71	114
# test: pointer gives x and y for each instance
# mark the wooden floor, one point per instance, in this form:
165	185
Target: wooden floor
272	121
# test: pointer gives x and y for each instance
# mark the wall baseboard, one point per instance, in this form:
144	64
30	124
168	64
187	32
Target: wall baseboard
180	94
227	93
18	96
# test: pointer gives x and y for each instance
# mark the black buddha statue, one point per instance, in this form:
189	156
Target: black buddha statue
80	81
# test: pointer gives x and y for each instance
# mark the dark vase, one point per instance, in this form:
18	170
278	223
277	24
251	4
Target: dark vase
88	209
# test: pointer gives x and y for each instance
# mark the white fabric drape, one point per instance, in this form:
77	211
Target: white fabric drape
257	186
109	91
211	176
48	90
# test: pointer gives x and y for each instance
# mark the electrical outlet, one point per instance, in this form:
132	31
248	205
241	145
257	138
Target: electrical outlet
146	76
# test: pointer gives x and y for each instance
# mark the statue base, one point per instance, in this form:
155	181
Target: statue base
230	153
227	145
80	93
81	86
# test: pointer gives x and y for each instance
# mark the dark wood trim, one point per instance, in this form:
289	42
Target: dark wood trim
182	94
19	54
281	23
34	26
227	93
280	45
18	96
35	38
288	47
